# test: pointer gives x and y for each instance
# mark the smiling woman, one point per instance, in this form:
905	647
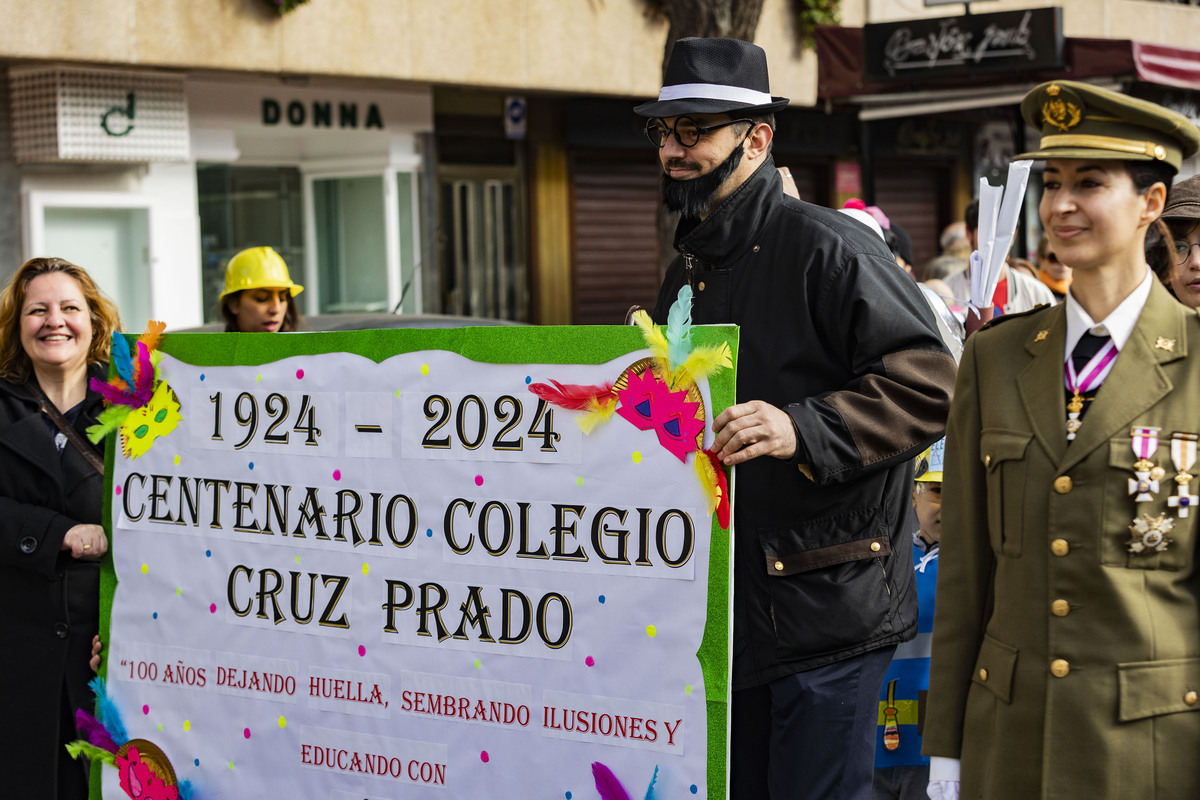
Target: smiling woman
55	328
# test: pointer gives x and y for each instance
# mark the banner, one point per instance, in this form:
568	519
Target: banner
382	565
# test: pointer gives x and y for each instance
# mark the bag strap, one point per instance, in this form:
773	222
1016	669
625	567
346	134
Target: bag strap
63	424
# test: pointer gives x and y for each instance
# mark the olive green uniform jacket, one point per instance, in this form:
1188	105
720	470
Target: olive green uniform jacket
1065	666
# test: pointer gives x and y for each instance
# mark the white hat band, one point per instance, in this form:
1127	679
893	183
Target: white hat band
712	91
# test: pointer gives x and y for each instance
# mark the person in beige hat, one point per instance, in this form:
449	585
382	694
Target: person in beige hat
1182	216
259	294
1066	640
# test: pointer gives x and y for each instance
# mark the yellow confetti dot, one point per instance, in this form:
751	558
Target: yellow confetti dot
231	765
179	591
478	664
283	722
160	727
397	393
579	481
424	369
297	559
177	460
651	631
187	724
687	689
145	569
366	568
637	457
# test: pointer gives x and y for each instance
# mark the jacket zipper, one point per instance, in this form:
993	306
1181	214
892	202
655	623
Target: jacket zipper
689	265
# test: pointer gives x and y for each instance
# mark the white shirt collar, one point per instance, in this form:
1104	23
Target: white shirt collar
1119	324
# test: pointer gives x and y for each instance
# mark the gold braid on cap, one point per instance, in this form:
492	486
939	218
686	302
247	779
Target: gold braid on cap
1131	146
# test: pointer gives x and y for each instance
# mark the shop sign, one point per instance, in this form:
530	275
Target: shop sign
1015	41
77	115
321	114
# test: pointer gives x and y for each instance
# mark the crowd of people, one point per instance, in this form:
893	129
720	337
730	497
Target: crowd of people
1002	605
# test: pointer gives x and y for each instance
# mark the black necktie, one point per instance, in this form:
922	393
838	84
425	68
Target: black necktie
1085	350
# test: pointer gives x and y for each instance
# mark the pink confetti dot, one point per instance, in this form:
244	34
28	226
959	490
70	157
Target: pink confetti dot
479	480
591	662
246	733
484	757
362	651
145	709
117	490
299	374
212	608
337	474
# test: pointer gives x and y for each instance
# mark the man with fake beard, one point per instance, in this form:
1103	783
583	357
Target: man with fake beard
842	380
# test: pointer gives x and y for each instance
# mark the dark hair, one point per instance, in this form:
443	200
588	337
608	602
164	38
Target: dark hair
755	119
971	216
1160	251
291	317
1147	173
15	365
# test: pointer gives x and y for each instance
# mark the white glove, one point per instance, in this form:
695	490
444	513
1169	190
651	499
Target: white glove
943	790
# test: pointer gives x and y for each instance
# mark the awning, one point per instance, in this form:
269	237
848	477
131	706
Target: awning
840	75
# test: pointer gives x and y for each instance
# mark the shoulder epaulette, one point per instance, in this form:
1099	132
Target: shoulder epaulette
994	321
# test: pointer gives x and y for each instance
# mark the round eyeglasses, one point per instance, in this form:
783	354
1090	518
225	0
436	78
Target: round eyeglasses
686	131
1184	249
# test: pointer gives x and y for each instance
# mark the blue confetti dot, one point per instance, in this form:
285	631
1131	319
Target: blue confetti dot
208	553
602	599
568	793
156	615
196	762
694	789
201	376
429	532
529	380
251	465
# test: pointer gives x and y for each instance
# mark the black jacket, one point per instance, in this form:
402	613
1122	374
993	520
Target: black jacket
50	600
837	335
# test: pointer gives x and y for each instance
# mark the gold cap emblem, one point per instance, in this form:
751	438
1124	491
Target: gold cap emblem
1062	114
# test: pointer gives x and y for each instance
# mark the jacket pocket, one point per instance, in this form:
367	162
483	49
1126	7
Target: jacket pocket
1151	688
1003	456
829	584
995	667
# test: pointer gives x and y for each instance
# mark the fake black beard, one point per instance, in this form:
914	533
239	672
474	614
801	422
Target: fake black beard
691	198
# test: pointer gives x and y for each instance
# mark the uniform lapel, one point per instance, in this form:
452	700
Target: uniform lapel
1137	380
1040	384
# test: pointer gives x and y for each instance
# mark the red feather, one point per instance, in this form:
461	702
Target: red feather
607	784
573	396
722	488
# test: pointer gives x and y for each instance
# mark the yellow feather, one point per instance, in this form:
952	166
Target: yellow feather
708	479
702	362
597	413
655	339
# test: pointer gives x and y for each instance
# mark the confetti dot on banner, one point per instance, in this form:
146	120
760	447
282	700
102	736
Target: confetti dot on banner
366	569
187	724
208	553
179	591
201	376
429	532
160	727
299	374
258	377
484	757
478	663
251	465
637	457
601	599
246	732
591	662
145	709
337	474
397	393
693	789
118	491
283	722
424	369
154	615
297	559
231	768
687	689
145	569
196	762
579	481
212	608
529	380
479	480
651	631
177	460
568	796
362	650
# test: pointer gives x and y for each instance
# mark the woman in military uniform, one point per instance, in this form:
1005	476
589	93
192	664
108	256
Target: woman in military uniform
1066	649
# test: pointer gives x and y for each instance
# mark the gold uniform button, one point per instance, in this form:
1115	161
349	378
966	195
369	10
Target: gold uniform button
982	674
1060	547
1059	668
701	286
875	547
1063	484
1190	698
779	566
987	461
1060	608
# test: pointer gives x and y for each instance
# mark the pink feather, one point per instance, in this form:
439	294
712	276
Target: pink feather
607	784
573	396
143	375
93	731
115	396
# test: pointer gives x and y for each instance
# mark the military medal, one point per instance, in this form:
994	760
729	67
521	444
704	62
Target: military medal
1183	456
891	719
1145	443
1149	534
1089	378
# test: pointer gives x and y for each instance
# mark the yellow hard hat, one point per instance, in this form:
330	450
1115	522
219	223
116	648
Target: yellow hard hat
931	462
258	268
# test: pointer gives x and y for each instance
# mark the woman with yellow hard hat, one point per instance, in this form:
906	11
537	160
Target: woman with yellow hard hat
259	294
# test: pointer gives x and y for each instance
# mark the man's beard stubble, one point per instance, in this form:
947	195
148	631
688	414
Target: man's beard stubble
692	198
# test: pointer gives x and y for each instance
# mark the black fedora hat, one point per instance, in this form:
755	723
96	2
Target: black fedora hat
714	76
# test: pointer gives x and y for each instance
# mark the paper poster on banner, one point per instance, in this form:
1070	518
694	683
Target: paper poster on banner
472	563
